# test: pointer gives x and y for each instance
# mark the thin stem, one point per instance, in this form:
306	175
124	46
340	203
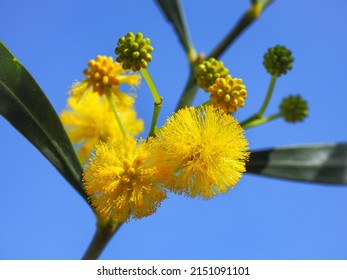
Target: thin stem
259	115
250	119
260	120
156	111
116	113
190	90
249	17
158	100
102	236
156	97
268	95
244	22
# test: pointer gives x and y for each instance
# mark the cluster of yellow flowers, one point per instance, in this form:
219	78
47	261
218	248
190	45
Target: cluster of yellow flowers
89	118
200	152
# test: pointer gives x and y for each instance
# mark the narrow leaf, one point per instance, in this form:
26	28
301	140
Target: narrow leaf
173	12
25	106
325	163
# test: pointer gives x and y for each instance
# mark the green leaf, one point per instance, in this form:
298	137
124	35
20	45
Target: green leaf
325	163
173	12
26	107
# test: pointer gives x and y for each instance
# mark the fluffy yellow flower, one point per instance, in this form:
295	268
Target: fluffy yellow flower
103	76
206	149
123	181
91	120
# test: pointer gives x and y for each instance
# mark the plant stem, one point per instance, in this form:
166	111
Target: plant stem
156	111
102	236
258	117
158	100
116	113
260	120
156	97
249	17
190	90
268	95
244	22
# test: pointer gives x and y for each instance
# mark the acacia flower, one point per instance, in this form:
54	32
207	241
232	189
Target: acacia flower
123	181
91	120
228	93
208	71
206	149
103	75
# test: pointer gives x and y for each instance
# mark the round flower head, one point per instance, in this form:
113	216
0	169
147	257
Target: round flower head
228	93
123	181
208	71
294	108
278	60
103	76
91	120
134	51
206	149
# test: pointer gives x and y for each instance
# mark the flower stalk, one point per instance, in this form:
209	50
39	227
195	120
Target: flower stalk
260	120
152	88
116	114
258	117
156	111
156	97
103	234
268	95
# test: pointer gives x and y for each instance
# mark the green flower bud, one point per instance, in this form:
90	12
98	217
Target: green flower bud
278	60
134	51
294	108
208	71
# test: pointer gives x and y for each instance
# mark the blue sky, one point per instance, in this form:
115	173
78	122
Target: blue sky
42	217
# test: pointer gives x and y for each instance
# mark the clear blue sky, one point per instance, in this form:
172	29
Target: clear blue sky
42	217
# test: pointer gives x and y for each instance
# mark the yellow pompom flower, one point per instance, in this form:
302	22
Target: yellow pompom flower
103	75
92	120
228	93
206	149
123	181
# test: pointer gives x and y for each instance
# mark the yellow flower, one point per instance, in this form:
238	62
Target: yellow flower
206	149
123	181
228	93
103	76
92	120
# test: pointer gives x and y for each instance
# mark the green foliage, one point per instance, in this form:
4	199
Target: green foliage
325	163
26	107
173	12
